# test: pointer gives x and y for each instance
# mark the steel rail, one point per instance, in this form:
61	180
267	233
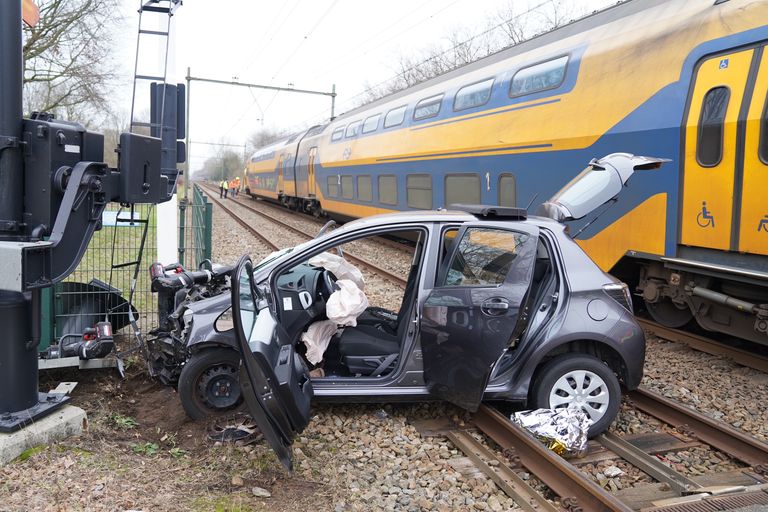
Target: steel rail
247	226
573	487
355	259
507	480
311	218
715	433
702	344
680	483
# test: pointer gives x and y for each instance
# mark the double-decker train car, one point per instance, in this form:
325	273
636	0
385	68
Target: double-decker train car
681	79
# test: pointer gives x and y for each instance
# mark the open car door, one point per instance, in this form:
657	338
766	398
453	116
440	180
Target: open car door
476	308
273	378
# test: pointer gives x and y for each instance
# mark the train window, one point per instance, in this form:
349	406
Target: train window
709	146
352	129
371	123
428	107
395	117
338	134
333	186
388	189
507	190
315	130
539	77
364	188
462	188
763	148
473	95
419	188
347	187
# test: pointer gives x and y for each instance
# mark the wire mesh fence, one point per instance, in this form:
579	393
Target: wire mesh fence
113	276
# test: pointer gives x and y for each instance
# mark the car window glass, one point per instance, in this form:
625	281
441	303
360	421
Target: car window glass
484	257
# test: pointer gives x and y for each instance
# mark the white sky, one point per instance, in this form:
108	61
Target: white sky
311	44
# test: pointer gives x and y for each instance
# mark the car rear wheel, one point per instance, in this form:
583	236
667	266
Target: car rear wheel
581	380
208	384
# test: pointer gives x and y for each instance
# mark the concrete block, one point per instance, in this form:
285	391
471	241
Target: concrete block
64	422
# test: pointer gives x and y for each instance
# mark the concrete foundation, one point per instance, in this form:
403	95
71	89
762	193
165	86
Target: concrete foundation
65	422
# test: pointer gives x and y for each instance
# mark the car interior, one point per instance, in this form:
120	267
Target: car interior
372	347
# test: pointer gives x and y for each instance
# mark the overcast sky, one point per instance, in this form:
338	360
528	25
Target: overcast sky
311	44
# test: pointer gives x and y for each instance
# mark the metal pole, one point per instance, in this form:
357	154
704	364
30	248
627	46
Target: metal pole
259	86
18	351
333	102
187	175
11	70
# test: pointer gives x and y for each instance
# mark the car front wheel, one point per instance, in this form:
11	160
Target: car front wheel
580	380
208	384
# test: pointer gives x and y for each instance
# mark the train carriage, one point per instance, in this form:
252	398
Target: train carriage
685	80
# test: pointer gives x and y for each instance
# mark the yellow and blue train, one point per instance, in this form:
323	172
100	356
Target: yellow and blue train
681	79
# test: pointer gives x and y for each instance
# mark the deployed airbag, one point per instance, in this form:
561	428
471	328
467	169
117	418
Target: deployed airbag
317	337
346	304
340	268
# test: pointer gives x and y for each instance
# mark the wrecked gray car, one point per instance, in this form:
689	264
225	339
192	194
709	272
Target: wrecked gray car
498	305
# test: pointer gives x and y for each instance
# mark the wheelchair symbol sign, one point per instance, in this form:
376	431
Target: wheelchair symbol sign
705	219
763	224
724	64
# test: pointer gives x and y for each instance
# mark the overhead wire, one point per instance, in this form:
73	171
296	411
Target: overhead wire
345	59
457	45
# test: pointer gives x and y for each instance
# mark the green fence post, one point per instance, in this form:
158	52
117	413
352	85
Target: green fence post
182	228
208	246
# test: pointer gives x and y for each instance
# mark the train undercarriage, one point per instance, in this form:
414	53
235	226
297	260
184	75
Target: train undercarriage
676	293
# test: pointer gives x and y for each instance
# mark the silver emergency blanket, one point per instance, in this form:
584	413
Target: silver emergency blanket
346	304
564	431
317	337
340	268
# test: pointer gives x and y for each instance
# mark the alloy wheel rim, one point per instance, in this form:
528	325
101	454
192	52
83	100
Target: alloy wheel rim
584	389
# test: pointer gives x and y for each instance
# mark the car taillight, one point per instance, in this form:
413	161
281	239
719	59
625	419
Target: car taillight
620	293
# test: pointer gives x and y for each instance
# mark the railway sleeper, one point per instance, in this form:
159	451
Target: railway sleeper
674	298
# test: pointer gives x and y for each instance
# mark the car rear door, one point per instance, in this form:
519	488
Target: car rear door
273	378
476	307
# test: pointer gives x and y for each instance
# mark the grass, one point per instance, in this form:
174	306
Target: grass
124	422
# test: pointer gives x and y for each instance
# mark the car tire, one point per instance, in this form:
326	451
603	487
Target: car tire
208	384
559	378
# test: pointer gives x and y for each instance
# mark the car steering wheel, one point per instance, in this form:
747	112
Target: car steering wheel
329	283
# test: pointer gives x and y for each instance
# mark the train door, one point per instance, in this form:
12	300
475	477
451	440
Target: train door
311	181
753	225
289	180
714	149
280	177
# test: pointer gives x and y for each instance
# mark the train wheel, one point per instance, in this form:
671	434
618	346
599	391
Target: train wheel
669	314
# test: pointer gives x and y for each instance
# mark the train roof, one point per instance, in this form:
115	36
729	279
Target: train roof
594	20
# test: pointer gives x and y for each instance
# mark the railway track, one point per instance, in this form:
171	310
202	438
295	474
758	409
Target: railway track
387	274
707	345
672	492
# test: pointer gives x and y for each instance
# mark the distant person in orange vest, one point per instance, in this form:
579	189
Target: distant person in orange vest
225	184
237	186
221	189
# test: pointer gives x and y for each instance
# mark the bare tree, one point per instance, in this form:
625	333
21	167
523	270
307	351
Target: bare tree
264	137
67	69
516	22
226	164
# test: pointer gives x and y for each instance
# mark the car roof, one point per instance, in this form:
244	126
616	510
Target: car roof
439	216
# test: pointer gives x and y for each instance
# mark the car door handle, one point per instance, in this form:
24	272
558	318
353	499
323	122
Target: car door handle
494	306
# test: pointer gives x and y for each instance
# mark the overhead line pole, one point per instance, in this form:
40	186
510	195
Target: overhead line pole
191	78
